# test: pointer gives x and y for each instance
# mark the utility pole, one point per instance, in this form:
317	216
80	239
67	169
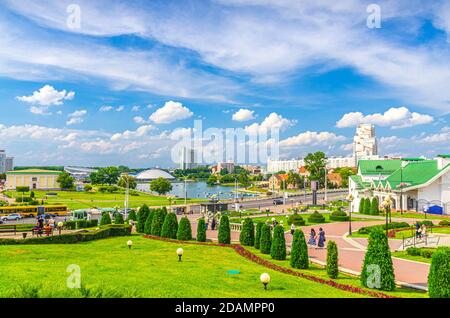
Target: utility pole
326	194
185	192
127	191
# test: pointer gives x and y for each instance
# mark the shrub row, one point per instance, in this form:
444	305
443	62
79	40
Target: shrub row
392	225
316	217
80	224
339	215
424	252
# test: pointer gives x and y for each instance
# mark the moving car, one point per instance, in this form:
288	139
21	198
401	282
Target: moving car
12	217
278	201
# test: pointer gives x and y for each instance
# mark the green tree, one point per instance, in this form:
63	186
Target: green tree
142	218
23	189
201	230
108	175
367	206
266	239
87	187
247	235
132	216
106	219
161	186
378	260
157	222
224	230
184	230
294	179
361	205
258	234
278	248
123	181
374	206
149	222
332	260
118	218
3	176
170	226
299	251
315	163
65	180
439	275
212	180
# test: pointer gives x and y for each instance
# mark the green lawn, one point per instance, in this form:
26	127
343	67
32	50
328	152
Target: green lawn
407	232
421	216
82	200
150	269
417	258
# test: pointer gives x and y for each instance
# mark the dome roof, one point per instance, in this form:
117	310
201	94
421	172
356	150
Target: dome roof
154	174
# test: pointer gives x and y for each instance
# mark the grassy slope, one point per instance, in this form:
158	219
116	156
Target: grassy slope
82	200
150	269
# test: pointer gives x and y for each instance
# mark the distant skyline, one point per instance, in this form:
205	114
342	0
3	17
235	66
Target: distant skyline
124	84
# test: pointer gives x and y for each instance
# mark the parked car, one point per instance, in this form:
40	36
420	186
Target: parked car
12	217
278	201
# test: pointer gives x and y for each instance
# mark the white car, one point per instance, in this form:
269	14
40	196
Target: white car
12	217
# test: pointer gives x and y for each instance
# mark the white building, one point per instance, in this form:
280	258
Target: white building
339	162
274	166
79	173
414	184
364	142
187	158
9	164
2	161
229	166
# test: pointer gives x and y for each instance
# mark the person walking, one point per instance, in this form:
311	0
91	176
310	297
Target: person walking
312	238
292	229
322	239
213	224
423	232
417	229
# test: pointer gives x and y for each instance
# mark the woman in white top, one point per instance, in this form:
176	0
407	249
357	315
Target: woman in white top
292	229
423	231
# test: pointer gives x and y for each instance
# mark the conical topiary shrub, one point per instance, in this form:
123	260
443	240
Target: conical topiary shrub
278	248
378	271
258	234
439	275
332	260
374	206
142	218
299	251
367	206
106	219
247	236
184	230
224	230
157	222
132	216
170	226
148	222
201	230
265	240
362	201
118	218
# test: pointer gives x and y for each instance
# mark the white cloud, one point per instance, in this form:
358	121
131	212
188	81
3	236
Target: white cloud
135	108
400	117
312	138
47	96
171	112
120	108
140	132
76	117
106	108
274	121
139	120
243	115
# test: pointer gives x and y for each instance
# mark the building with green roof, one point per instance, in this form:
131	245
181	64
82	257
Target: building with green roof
411	183
35	179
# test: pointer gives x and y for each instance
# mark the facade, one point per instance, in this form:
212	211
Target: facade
34	178
187	158
334	178
2	161
79	173
364	142
9	163
340	162
252	169
229	166
413	184
274	166
276	182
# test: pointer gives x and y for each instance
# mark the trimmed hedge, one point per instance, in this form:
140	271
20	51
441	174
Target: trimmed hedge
258	234
201	230
104	232
339	215
361	205
266	239
170	226
157	222
149	222
444	223
374	206
316	217
278	248
106	219
132	216
224	230
299	252
392	225
247	235
439	275
378	255
184	232
332	260
144	211
118	218
296	219
78	224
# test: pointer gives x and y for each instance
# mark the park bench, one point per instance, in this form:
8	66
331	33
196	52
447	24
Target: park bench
9	228
39	231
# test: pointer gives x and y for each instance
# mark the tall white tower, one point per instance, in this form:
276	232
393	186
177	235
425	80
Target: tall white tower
365	142
187	158
2	161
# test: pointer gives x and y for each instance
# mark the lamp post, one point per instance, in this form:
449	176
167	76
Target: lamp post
265	279
180	253
387	206
130	243
60	226
350	200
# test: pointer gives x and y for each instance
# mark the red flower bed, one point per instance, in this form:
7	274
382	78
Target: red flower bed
258	260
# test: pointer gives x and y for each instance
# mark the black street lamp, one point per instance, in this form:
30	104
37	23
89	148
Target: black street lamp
350	200
387	206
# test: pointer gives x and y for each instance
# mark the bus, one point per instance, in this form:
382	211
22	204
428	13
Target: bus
34	210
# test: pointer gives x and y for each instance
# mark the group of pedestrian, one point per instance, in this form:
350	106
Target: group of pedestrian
421	231
44	227
213	224
317	240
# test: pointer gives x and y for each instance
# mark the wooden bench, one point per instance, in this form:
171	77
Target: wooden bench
8	228
40	232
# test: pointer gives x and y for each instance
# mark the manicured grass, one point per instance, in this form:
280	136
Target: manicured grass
421	216
82	200
407	232
149	269
417	258
318	271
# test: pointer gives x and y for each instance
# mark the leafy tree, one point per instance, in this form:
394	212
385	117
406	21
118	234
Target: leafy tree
108	175
345	173
266	239
23	189
212	180
123	181
157	222
243	179
247	235
332	260
201	230
278	248
378	260
142	218
87	187
132	216
258	234
299	251
224	230
439	275
184	230
149	222
170	226
161	186
374	206
106	219
315	163
3	176
65	180
294	179
118	218
367	206
32	194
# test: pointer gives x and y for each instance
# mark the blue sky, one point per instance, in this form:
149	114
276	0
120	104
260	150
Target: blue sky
120	87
